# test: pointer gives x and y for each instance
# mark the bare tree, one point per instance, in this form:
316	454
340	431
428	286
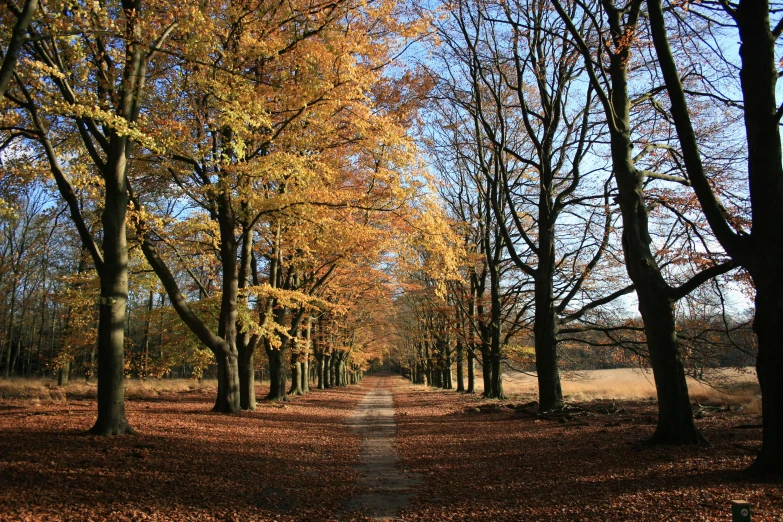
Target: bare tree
607	51
760	250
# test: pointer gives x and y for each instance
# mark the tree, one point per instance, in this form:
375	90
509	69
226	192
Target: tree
615	28
759	250
510	73
15	42
94	86
256	160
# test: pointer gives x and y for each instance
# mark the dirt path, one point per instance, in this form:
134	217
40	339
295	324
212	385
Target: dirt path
389	488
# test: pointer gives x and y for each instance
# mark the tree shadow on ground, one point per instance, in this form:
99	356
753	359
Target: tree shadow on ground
292	463
506	466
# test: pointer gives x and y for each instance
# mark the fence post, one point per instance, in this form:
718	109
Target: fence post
740	511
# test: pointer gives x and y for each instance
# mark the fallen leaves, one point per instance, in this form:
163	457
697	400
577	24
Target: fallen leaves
479	460
487	460
285	464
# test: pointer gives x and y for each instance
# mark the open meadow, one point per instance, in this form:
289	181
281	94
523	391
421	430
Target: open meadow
721	386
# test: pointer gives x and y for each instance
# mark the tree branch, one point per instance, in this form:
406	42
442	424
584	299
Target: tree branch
700	278
713	210
15	45
595	304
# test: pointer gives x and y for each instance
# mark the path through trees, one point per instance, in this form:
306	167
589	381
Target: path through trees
345	454
525	186
390	489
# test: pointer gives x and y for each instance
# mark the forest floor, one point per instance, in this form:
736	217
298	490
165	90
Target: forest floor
454	457
499	460
284	461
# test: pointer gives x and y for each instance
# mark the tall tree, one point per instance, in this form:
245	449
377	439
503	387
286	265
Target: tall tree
515	83
613	30
95	83
760	250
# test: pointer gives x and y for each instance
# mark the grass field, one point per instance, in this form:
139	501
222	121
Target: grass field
724	387
46	390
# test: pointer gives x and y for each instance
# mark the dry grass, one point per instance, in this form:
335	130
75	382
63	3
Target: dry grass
722	387
47	391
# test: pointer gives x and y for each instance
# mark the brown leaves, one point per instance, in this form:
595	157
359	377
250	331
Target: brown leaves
296	463
285	464
491	463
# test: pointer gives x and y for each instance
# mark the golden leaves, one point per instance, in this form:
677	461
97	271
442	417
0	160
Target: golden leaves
110	119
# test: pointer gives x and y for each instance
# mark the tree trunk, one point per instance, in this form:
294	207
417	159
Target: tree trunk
550	392
486	369
759	76
460	367
496	311
10	331
306	356
247	379
296	379
675	418
245	343
769	369
437	377
90	372
64	373
326	371
228	356
471	373
545	328
333	363
145	344
429	363
341	372
277	377
114	295
41	330
447	381
18	344
227	400
319	369
497	376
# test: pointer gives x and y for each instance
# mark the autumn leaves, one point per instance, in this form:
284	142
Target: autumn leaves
254	156
257	158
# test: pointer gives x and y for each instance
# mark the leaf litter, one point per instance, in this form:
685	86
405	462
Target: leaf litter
478	460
